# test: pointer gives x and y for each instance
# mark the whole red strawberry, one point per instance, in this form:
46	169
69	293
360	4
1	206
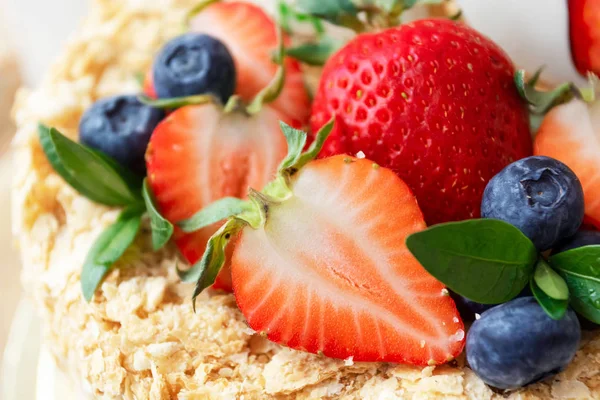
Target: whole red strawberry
433	100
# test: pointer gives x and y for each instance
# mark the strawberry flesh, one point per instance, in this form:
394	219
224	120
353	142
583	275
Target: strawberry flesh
198	155
330	272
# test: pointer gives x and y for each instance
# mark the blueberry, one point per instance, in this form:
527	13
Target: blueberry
516	343
580	239
194	64
539	195
468	308
120	127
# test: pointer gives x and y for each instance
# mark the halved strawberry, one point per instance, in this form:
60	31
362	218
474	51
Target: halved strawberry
329	270
200	154
584	20
570	133
251	37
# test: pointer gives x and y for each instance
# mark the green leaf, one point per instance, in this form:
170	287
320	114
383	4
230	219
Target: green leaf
162	230
287	13
178	102
93	175
580	269
133	181
328	9
485	260
122	238
555	309
270	92
540	101
316	146
315	53
339	12
205	271
215	212
108	248
550	282
296	140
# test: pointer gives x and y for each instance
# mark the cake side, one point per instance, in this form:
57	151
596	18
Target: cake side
140	338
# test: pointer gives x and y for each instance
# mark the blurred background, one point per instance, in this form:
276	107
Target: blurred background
31	33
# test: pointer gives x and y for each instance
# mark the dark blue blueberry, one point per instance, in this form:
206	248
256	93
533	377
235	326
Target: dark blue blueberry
539	195
194	64
120	127
580	239
468	308
517	343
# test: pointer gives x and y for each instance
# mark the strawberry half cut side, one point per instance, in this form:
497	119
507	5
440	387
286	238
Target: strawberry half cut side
199	154
320	263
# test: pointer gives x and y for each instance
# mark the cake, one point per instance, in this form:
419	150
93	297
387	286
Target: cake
139	338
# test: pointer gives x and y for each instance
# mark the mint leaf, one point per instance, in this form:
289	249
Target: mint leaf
287	13
550	282
328	9
296	140
178	102
108	248
339	12
133	181
215	212
580	269
162	230
93	175
555	309
315	53
485	260
540	101
316	146
205	271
